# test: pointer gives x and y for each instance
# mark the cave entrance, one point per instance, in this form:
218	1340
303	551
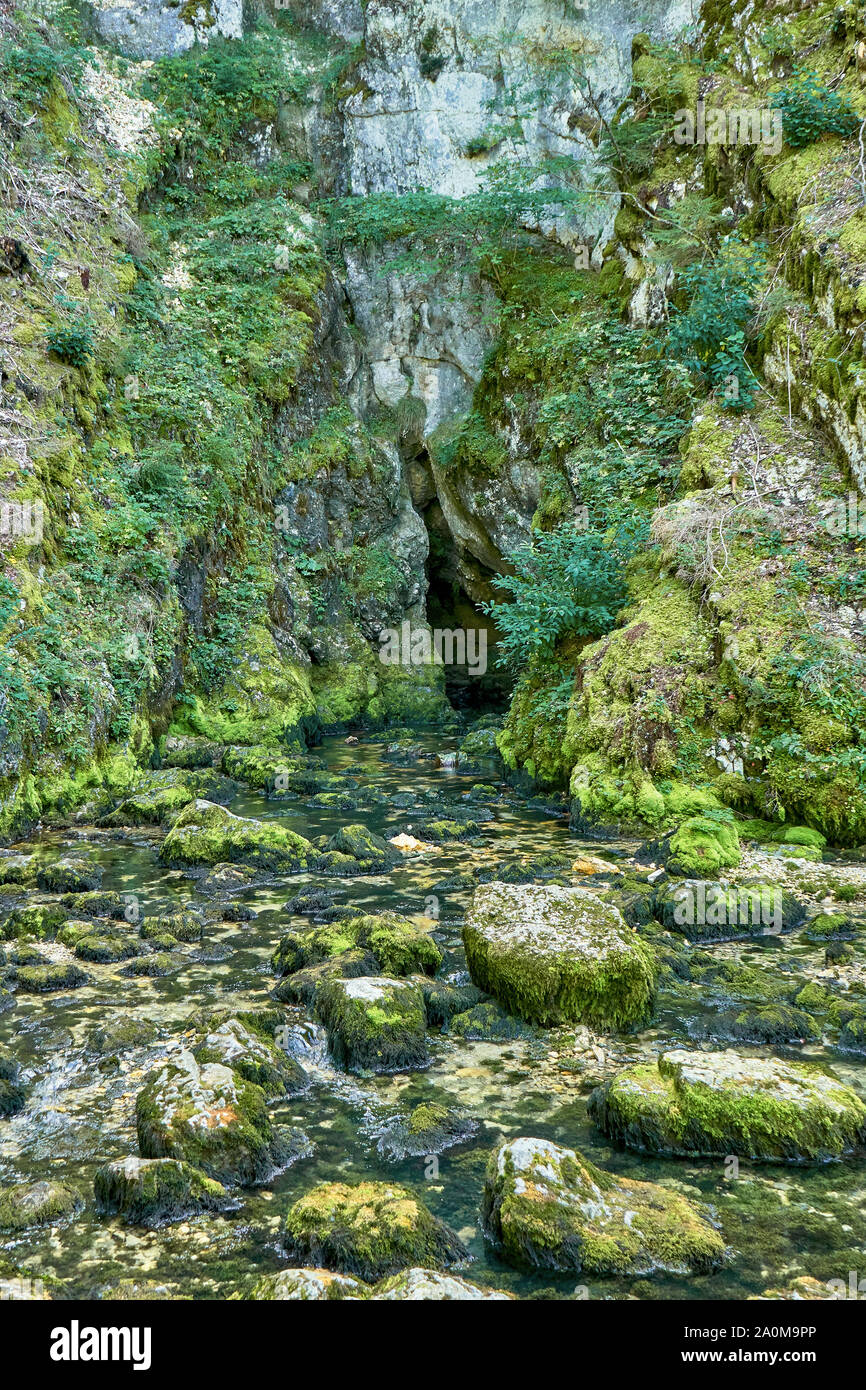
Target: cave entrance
476	684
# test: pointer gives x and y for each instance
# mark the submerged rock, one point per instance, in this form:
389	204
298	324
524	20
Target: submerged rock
372	1230
428	1129
551	954
36	1204
711	1104
128	1029
154	1191
212	1118
487	1022
205	833
374	1023
546	1207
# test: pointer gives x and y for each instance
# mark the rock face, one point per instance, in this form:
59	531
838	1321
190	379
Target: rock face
212	1119
551	954
154	1191
151	29
545	1207
374	1023
205	833
710	1104
372	1230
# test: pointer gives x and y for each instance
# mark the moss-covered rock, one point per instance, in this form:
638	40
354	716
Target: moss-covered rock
155	1191
429	1128
126	1030
545	1207
372	1230
211	1118
705	911
304	986
364	851
711	1104
36	1204
550	954
315	1285
374	1023
49	978
702	847
37	922
69	875
429	1286
487	1021
399	946
254	1056
205	833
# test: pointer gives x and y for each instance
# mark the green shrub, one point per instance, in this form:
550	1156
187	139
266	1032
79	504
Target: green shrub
809	110
568	582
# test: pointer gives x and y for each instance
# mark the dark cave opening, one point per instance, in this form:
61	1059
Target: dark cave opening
474	680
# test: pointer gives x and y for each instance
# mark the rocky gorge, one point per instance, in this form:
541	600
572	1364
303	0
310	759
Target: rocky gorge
337	963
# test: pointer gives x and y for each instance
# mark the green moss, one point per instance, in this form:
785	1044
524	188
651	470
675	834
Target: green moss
703	847
547	1208
710	1105
372	1229
208	834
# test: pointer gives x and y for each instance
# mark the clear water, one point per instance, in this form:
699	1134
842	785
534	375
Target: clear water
779	1222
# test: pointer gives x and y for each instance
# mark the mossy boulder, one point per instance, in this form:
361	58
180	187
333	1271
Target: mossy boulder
429	1286
552	954
366	851
69	875
312	1285
831	926
702	847
180	926
108	947
429	1128
546	1208
304	986
702	910
38	922
210	1117
399	946
374	1023
127	1030
36	1204
373	1229
487	1021
711	1104
118	906
155	1191
205	833
254	1056
49	978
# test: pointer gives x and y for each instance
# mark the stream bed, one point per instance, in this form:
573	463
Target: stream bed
778	1221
